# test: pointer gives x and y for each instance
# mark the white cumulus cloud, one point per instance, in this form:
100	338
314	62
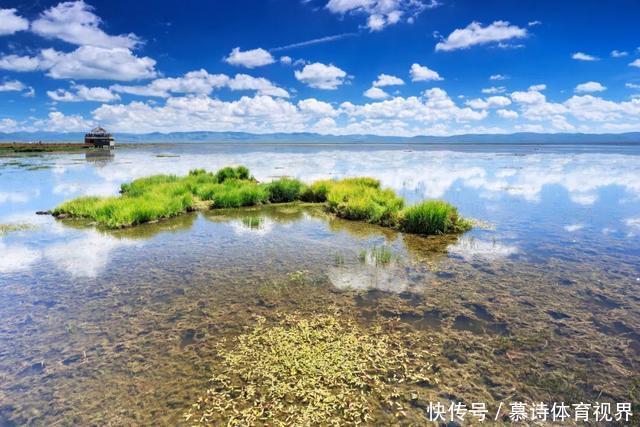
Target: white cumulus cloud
201	82
387	80
86	62
249	58
74	22
619	53
12	86
491	102
382	13
538	87
581	56
375	93
321	76
507	114
421	73
589	87
475	34
493	90
11	22
80	93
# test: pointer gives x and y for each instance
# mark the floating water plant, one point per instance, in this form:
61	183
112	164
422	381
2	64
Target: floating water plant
163	196
309	371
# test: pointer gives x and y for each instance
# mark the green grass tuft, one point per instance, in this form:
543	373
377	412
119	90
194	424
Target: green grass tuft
229	173
432	217
285	190
317	192
363	199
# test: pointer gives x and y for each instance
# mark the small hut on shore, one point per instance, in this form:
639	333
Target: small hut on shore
99	138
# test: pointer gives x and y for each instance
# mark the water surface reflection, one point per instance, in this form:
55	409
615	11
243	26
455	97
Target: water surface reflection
119	326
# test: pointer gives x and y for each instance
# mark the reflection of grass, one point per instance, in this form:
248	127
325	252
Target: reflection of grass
308	371
378	255
252	222
162	196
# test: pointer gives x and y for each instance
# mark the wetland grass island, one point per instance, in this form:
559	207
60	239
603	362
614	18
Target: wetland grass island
319	213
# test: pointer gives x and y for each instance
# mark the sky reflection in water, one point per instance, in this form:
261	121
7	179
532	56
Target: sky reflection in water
537	199
558	261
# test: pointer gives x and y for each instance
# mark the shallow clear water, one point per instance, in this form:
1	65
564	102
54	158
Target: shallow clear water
117	327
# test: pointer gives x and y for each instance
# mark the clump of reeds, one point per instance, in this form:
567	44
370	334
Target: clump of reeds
285	190
432	217
363	199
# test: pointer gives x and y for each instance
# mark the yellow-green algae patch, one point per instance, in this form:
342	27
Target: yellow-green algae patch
318	370
9	228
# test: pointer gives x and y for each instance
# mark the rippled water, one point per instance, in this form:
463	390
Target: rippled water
118	327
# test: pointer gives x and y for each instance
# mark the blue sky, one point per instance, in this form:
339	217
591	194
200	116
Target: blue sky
388	67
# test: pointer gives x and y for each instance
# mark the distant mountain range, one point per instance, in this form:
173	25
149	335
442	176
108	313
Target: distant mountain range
243	137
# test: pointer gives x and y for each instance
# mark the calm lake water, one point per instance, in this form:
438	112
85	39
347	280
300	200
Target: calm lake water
541	303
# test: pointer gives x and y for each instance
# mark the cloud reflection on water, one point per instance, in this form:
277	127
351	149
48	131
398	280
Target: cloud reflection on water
426	174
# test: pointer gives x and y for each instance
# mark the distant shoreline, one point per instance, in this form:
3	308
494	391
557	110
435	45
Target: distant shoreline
42	147
522	138
55	145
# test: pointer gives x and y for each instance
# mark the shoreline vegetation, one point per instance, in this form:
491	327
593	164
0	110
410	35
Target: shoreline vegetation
163	196
41	147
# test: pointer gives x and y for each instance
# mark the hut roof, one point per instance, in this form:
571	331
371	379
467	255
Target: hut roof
99	131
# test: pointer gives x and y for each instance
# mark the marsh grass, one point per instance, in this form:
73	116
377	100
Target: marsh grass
377	255
163	196
381	255
432	217
363	199
308	371
285	190
317	192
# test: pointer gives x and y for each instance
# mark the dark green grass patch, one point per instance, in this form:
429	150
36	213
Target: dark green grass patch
285	190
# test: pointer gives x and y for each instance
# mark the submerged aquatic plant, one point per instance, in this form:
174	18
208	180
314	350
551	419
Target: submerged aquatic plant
309	371
378	255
